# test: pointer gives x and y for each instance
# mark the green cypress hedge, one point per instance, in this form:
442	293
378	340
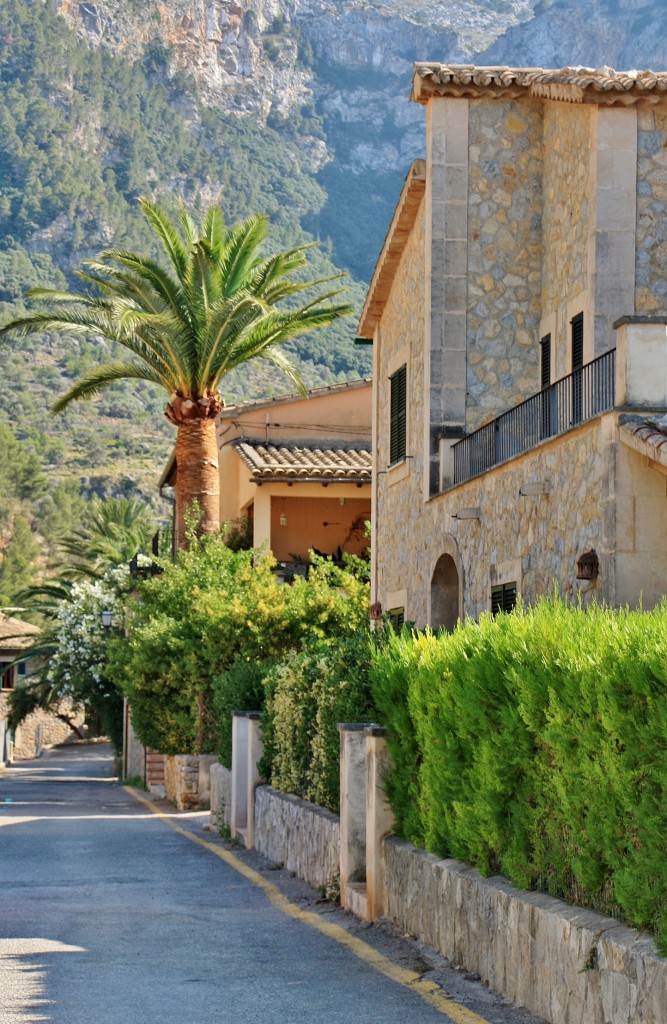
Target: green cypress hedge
307	694
535	744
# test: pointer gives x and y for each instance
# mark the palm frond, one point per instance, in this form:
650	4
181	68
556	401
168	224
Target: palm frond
188	226
279	359
99	378
240	254
166	231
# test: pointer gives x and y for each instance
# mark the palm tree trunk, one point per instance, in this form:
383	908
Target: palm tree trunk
197	476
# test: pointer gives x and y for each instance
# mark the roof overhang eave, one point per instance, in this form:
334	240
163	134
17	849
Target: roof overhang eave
325	480
399	232
168	476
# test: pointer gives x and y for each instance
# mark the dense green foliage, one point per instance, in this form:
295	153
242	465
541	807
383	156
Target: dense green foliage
85	132
534	744
307	694
33	515
68	660
208	610
239	688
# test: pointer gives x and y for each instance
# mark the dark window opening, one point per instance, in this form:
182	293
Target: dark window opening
396	618
545	362
8	679
503	598
548	399
397	414
577	325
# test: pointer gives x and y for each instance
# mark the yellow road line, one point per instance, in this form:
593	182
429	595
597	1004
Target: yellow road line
426	990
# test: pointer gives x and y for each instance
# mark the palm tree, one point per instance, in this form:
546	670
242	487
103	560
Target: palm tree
218	305
113	532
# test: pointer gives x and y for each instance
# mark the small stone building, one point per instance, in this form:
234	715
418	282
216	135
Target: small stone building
518	314
40	729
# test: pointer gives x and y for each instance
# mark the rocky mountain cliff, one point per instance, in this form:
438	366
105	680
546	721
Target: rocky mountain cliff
623	34
296	108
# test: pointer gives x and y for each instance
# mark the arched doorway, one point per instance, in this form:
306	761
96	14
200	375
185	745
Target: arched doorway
445	594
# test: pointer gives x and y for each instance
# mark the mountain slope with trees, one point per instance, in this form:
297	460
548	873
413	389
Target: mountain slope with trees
297	109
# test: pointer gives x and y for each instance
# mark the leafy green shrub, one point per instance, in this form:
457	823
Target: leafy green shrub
308	694
394	659
534	744
210	609
240	688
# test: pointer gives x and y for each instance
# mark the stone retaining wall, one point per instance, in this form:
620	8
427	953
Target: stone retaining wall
568	965
220	797
39	731
187	780
299	835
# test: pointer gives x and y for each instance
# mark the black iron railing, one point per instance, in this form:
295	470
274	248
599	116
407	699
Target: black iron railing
576	398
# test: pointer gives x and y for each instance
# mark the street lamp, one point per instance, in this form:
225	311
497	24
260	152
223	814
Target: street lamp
107	618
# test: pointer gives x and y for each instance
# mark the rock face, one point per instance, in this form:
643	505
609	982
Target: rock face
270	58
623	35
351	60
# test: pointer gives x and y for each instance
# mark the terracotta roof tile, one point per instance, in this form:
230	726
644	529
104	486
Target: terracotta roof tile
296	462
647	436
576	84
14	634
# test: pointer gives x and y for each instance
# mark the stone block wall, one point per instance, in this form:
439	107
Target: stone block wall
220	797
39	731
187	780
504	273
533	541
566	218
568	965
299	835
651	255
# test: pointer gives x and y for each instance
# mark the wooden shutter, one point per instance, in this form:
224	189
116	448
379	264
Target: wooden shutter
503	598
397	414
545	362
577	325
397	618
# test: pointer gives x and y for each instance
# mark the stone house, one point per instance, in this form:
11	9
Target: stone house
295	471
518	313
40	729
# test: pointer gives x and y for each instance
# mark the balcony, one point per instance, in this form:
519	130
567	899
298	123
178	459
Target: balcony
574	399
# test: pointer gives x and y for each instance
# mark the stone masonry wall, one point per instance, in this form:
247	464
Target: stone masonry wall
566	217
182	780
651	258
399	497
568	965
504	256
39	731
534	541
220	797
301	836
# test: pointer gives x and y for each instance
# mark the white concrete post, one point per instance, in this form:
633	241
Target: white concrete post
246	752
353	816
447	462
239	814
641	362
379	819
255	751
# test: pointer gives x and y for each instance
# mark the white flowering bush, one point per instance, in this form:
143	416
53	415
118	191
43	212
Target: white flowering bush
78	667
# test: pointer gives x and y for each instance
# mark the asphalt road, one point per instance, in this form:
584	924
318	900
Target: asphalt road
110	916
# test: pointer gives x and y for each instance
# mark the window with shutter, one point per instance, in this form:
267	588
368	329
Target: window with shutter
548	408
397	414
545	362
503	598
577	341
577	325
396	618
